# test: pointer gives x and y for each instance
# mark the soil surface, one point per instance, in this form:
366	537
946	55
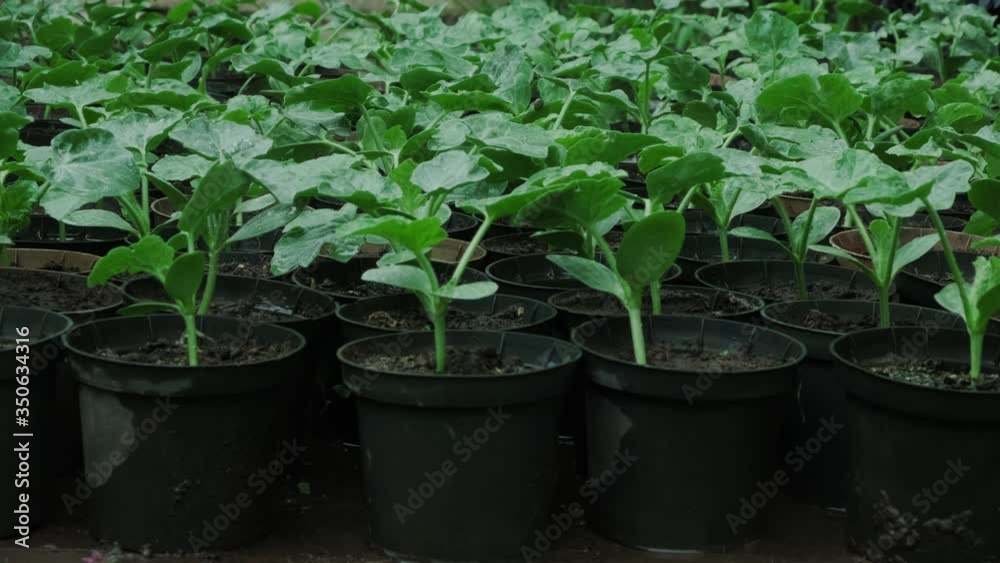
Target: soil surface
415	319
941	278
210	353
932	373
693	359
820	320
516	246
259	267
359	289
263	310
57	267
817	290
675	302
458	361
46	292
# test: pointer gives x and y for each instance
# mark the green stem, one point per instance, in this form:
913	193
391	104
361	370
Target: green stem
439	320
800	265
191	333
654	296
646	96
213	273
729	138
62	231
564	110
724	245
863	232
80	116
687	200
975	357
635	327
883	307
470	250
144	184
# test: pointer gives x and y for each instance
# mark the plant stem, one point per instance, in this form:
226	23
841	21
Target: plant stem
438	319
975	357
80	116
191	333
799	264
4	257
724	244
654	296
635	327
470	250
213	273
564	110
646	96
62	231
687	200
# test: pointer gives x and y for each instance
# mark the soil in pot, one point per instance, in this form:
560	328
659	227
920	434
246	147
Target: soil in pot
932	495
461	226
215	426
38	376
55	291
773	281
415	319
249	264
513	383
922	279
675	300
343	280
678	486
699	250
517	244
700	223
818	404
210	353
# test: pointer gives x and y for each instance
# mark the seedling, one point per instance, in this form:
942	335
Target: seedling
181	276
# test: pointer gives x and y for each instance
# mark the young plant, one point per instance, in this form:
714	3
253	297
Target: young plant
413	238
180	275
648	249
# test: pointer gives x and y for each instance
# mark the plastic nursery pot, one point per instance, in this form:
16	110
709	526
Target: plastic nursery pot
961	208
577	306
512	244
52	260
186	443
58	292
34	378
43	232
535	277
403	313
923	278
818	403
461	226
850	241
505	227
448	251
700	223
923	485
342	280
700	250
470	441
40	132
161	211
680	451
774	280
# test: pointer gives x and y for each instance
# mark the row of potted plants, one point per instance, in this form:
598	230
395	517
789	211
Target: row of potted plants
491	219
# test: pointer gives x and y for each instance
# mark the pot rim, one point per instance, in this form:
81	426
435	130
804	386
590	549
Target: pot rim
115	291
545	308
70	325
66	339
573	350
878	334
800	348
759	304
767	312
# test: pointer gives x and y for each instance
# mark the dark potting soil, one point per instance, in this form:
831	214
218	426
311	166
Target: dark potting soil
56	267
820	320
210	352
47	293
690	358
942	278
676	302
517	246
259	268
414	319
263	310
932	373
817	290
458	361
358	288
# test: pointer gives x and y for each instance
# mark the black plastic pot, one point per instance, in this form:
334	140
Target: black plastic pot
314	277
538	316
748	276
818	398
700	223
924	485
701	250
535	277
671	295
43	232
40	132
916	288
493	243
675	454
37	376
106	299
429	493
183	446
461	226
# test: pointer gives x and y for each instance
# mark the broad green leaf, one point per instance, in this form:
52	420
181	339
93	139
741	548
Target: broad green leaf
415	235
410	278
650	247
680	175
218	193
98	218
311	233
347	93
510	69
88	92
286	179
266	221
468	291
218	139
497	131
755	233
985	195
685	73
844	255
592	274
943	182
184	278
139	131
771	35
585	145
87	165
448	171
913	251
180	168
149	255
799	98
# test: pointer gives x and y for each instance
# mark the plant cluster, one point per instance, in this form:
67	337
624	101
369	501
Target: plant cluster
245	123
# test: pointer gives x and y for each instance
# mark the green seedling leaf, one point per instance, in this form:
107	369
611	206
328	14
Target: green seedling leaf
218	193
347	93
312	233
98	218
913	251
448	171
680	175
219	139
415	235
650	247
984	295
468	291
87	166
184	278
410	278
592	274
269	220
772	35
685	73
803	97
149	255
985	195
591	144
